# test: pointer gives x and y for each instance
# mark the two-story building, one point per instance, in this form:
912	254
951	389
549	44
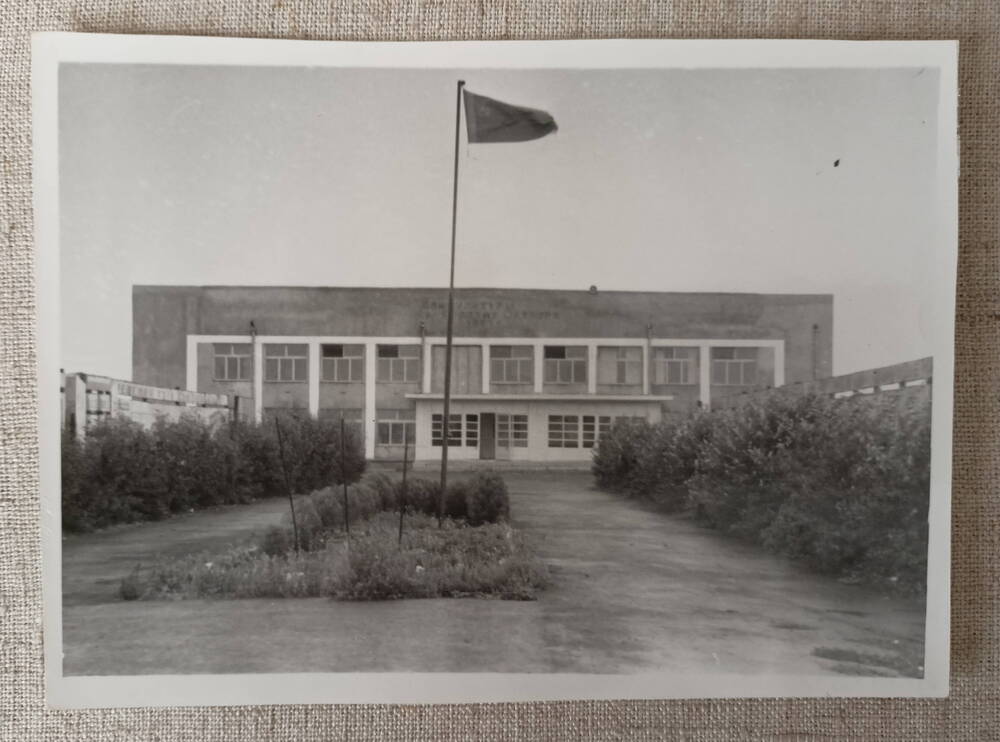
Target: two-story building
536	374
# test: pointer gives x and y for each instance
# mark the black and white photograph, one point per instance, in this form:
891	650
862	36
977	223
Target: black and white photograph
498	371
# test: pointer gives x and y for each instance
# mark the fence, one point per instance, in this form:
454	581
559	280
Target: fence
88	398
896	378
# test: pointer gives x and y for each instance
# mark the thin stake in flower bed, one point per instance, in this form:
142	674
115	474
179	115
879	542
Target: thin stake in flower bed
288	483
343	477
402	487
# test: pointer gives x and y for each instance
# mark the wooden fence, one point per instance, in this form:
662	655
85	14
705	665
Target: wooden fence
895	378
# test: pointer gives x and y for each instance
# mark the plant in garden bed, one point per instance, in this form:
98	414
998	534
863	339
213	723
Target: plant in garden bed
457	560
479	500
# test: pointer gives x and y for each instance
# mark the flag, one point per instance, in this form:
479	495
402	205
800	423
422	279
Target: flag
489	120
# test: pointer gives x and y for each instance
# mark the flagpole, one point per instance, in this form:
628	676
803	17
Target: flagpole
446	411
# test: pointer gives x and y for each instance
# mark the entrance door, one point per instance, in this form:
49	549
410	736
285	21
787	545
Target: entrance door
487	435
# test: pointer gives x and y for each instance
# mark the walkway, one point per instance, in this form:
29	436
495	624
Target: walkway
633	591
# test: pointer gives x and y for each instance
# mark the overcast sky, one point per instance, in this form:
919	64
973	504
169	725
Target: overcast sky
707	180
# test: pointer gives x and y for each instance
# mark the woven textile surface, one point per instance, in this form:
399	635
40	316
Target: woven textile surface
972	710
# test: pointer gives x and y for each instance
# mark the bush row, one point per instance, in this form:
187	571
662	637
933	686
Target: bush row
122	472
477	501
840	484
457	560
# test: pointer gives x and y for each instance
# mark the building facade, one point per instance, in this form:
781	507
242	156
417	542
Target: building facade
536	375
87	399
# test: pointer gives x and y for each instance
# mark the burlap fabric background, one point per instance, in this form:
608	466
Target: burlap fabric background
972	710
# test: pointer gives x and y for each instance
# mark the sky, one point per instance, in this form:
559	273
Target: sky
775	181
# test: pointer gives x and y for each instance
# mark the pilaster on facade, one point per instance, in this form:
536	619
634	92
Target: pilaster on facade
539	358
647	366
705	375
258	380
426	359
369	411
779	363
313	377
591	368
485	352
191	364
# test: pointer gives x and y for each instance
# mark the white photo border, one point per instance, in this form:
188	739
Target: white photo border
49	50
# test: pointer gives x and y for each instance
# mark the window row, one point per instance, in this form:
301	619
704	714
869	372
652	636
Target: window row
338	362
462	429
511	430
576	431
509	364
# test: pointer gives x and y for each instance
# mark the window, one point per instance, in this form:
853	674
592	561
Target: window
512	431
394	427
233	361
603	425
399	363
512	364
564	431
285	362
734	366
675	365
593	427
571	431
454	430
342	363
619	365
565	364
472	430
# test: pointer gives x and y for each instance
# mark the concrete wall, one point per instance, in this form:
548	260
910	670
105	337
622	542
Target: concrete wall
286	395
90	398
164	315
341	395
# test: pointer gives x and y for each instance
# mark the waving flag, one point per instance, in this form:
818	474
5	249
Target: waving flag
488	120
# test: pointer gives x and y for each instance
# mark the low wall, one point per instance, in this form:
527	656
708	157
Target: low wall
88	398
898	378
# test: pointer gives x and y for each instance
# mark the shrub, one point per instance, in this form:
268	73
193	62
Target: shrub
329	507
616	457
122	472
839	484
422	496
131	586
277	540
456	501
385	489
487	500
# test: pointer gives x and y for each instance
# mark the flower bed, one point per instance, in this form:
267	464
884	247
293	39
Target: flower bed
456	560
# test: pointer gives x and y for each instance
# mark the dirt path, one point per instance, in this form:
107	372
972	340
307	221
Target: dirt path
634	591
638	589
94	563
